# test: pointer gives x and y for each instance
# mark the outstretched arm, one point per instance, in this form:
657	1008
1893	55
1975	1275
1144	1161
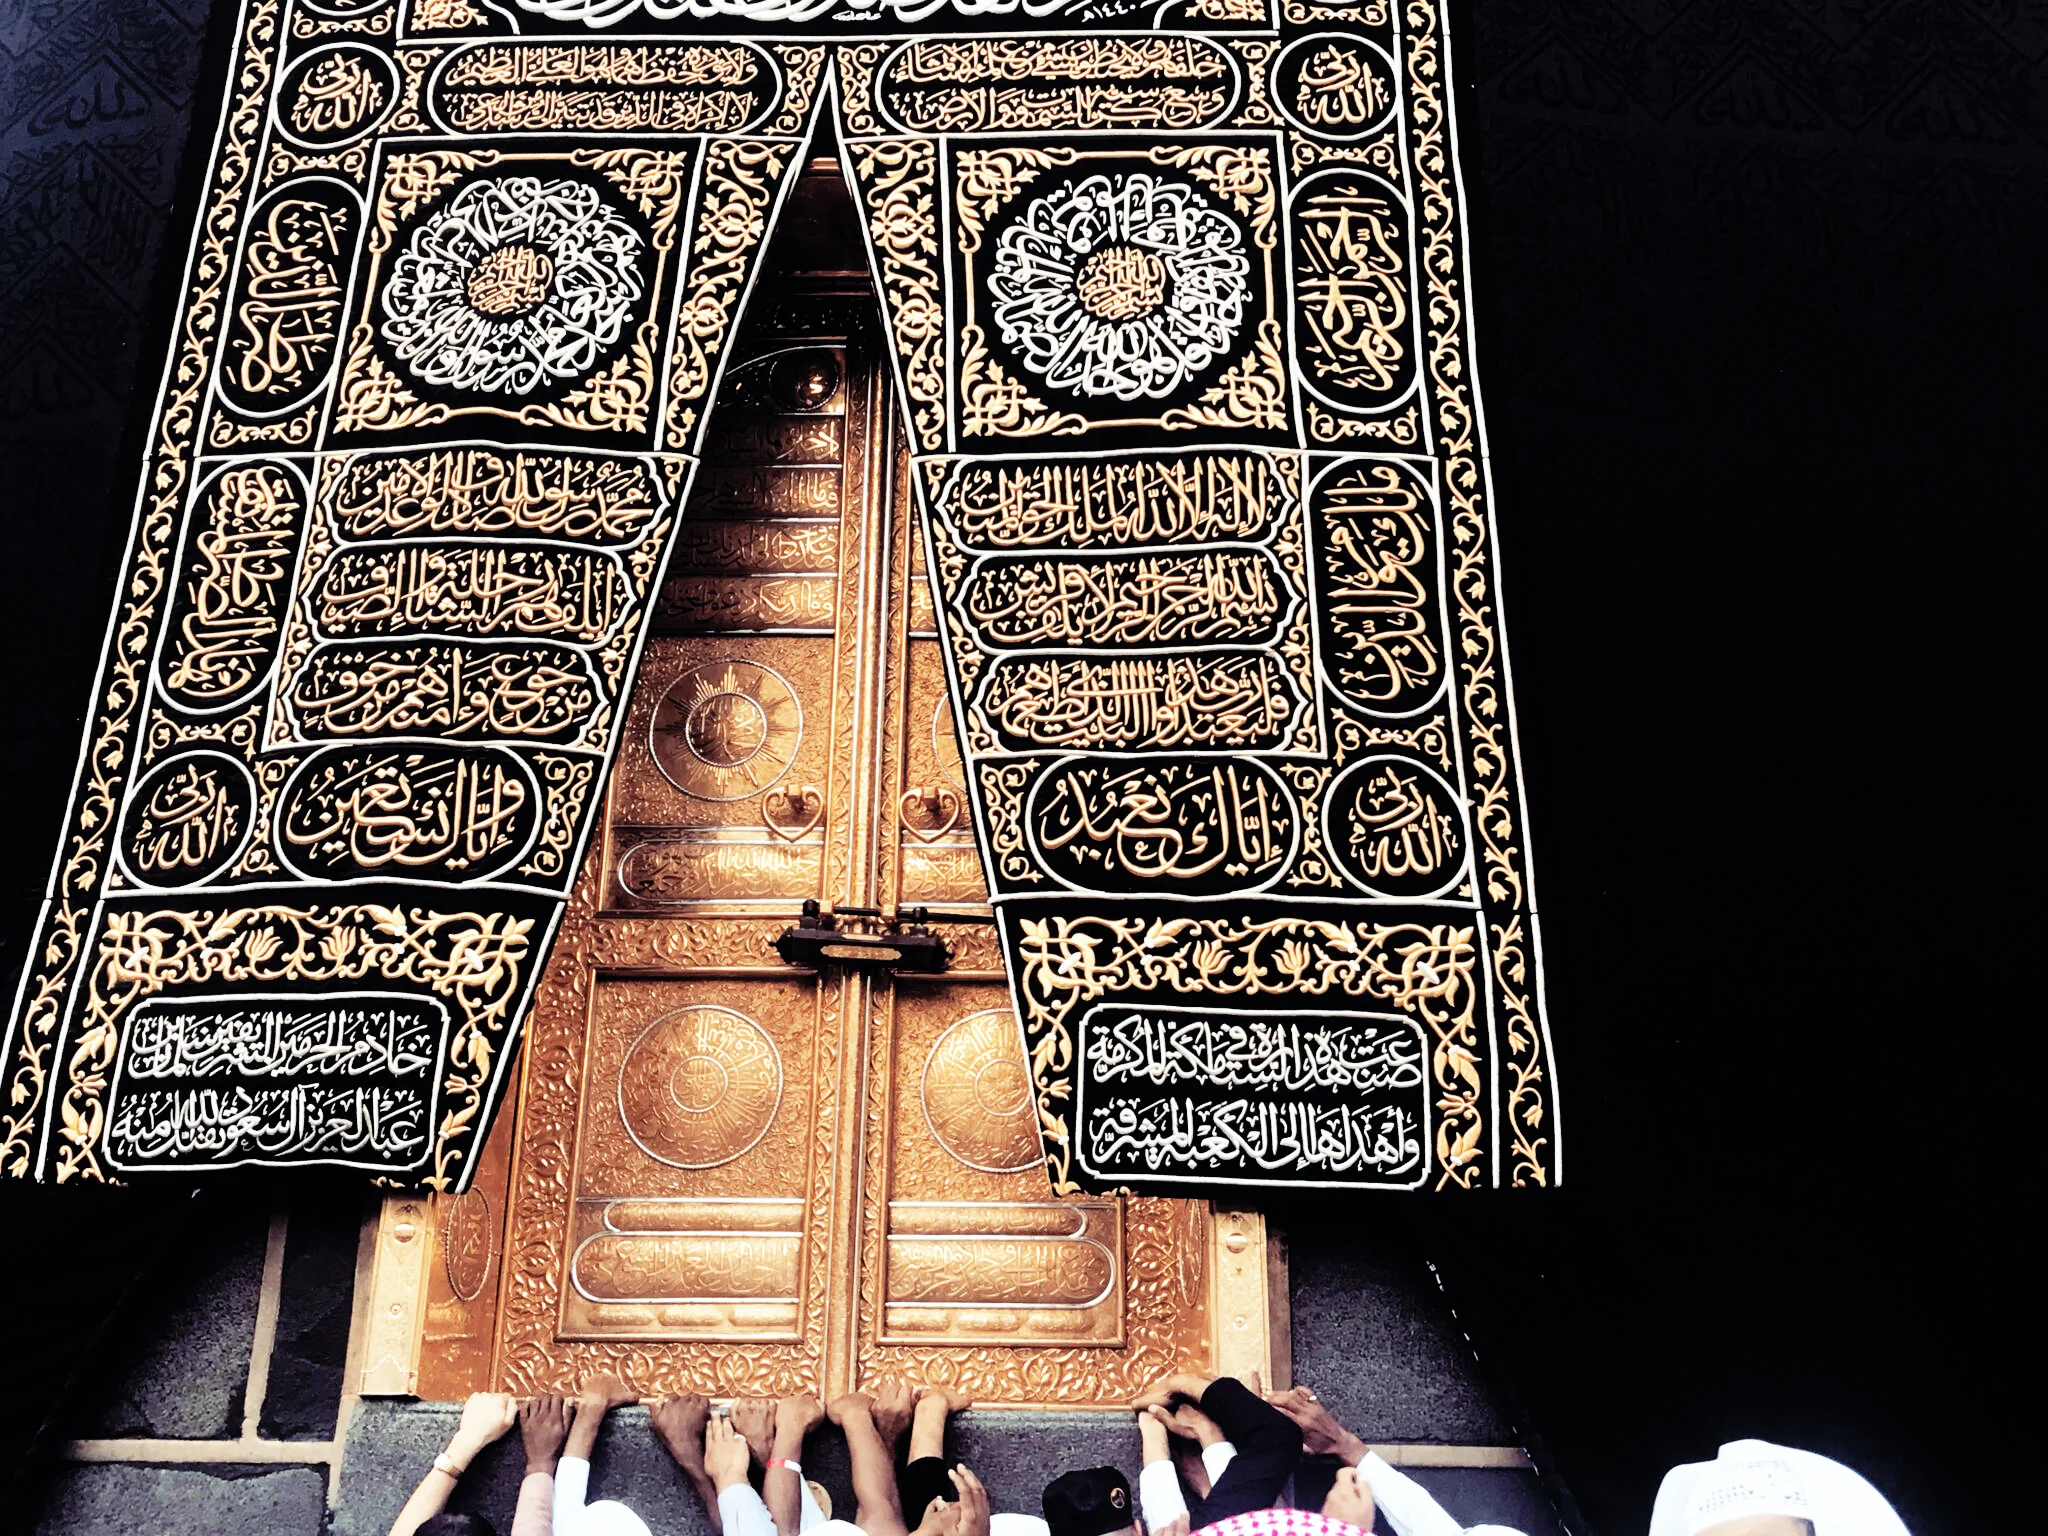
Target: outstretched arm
543	1426
1268	1448
782	1484
485	1417
1160	1500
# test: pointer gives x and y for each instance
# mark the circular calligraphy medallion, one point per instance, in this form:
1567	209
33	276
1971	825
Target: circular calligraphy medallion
512	284
187	819
335	94
1395	827
700	1087
1333	85
469	1237
1124	286
977	1094
726	730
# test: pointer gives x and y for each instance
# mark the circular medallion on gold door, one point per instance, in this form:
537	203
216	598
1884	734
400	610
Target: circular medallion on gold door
700	1087
726	730
977	1094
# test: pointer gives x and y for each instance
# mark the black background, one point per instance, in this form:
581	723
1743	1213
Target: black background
1759	324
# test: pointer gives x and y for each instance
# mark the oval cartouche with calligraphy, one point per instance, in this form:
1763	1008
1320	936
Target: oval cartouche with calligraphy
1201	828
1335	85
1395	828
1373	526
976	1093
458	689
1055	84
700	1086
336	94
484	591
1354	288
1213	701
726	730
187	819
228	609
284	319
474	490
1164	597
701	86
407	811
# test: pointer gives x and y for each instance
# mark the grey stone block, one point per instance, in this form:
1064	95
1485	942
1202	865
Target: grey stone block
176	1361
392	1444
1374	1336
1491	1496
183	1501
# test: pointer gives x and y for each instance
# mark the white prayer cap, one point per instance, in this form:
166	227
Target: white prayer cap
1491	1530
1017	1525
1755	1477
608	1517
834	1528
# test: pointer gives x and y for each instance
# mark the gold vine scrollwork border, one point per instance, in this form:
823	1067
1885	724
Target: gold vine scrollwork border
741	178
1482	688
104	768
1425	970
899	180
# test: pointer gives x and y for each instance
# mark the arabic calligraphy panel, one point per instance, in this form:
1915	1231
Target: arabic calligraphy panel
285	315
189	818
1172	827
1119	293
1373	524
503	87
453	814
1396	828
335	94
227	619
1231	1095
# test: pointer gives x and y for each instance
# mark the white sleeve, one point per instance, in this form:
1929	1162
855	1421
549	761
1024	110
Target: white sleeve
1159	1497
1216	1457
743	1513
572	1483
1406	1503
808	1512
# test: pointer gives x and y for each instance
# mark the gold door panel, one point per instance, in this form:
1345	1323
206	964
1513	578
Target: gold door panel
693	1160
728	1175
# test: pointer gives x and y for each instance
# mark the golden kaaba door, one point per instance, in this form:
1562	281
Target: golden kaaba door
728	1174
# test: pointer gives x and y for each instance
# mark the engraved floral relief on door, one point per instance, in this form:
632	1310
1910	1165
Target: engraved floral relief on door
729	1175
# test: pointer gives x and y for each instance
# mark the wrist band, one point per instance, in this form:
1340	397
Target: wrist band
446	1463
784	1461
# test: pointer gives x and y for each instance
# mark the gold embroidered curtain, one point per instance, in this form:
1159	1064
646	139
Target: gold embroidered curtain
1180	316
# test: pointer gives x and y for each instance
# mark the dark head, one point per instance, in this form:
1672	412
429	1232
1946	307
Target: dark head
446	1524
1093	1502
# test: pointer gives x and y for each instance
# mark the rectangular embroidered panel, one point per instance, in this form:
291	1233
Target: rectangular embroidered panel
1180	317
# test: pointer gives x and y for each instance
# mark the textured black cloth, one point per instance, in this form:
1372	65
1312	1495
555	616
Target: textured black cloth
1092	1501
1268	1448
922	1481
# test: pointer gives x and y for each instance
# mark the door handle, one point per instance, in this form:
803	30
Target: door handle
929	811
803	811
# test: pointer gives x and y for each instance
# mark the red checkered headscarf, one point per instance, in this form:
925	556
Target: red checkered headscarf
1281	1522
